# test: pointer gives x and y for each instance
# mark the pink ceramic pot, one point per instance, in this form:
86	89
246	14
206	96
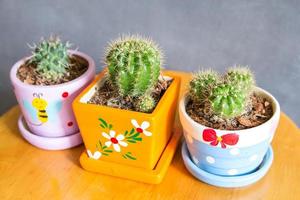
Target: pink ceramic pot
48	109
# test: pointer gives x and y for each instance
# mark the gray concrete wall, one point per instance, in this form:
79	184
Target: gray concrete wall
211	33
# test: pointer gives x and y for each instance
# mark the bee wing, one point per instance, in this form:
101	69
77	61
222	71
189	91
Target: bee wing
31	111
53	109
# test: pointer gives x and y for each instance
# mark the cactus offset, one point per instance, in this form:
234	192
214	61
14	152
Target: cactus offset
133	65
228	96
145	104
241	77
51	58
201	84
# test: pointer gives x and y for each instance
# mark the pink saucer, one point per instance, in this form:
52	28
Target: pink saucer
55	143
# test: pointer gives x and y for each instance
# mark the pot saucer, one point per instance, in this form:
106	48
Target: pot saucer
227	181
154	176
48	143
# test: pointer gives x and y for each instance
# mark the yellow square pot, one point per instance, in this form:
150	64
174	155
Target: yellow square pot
126	137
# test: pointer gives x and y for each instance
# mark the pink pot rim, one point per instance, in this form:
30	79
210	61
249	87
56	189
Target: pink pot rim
16	81
274	102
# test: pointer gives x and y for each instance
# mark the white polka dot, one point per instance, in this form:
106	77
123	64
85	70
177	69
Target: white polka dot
253	157
232	171
196	161
189	139
234	151
210	159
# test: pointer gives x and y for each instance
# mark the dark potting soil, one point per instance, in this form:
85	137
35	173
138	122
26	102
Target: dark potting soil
28	73
107	95
259	112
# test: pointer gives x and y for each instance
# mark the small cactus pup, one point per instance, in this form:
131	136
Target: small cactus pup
133	73
146	104
51	63
241	77
225	100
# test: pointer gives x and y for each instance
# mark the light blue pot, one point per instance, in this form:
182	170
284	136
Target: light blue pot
227	181
229	161
229	153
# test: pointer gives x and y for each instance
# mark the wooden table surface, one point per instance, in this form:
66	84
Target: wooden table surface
27	172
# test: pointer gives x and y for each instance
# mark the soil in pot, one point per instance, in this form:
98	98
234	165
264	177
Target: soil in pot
108	95
259	112
28	74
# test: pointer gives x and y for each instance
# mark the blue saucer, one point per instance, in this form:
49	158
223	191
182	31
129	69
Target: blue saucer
227	181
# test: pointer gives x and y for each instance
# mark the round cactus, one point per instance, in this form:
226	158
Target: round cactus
146	104
133	65
241	77
201	84
51	58
226	101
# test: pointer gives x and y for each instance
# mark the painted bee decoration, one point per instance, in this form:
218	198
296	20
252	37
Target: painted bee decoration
40	105
40	110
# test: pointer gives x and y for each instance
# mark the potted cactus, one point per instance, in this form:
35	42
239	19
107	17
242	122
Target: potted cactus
45	85
126	115
228	125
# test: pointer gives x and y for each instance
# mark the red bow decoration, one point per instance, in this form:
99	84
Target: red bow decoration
210	135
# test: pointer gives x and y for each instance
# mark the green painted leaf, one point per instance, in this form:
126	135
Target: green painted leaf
100	144
135	135
131	141
138	139
130	157
126	133
103	122
132	131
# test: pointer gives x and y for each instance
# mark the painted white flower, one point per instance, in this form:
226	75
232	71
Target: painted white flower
96	155
141	128
116	142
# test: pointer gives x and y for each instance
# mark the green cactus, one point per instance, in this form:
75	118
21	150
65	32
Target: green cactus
146	104
51	58
133	65
226	101
241	77
201	84
228	96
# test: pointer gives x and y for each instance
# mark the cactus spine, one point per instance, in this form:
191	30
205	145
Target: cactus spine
133	65
228	95
51	58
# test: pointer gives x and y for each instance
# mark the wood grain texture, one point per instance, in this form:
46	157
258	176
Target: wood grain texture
30	173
